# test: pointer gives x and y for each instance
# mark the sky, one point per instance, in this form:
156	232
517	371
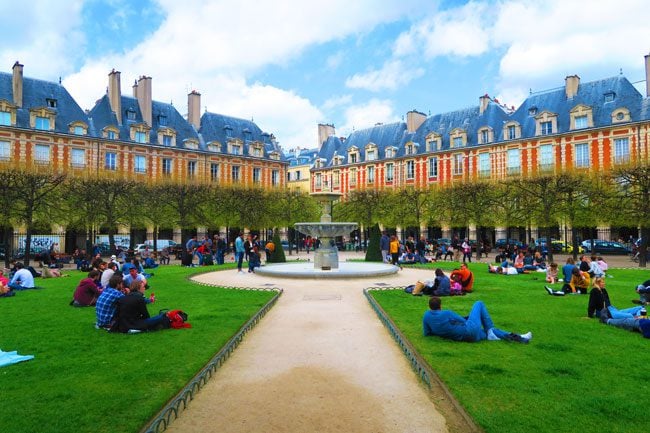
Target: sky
292	64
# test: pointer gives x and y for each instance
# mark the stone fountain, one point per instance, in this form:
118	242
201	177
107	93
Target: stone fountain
326	258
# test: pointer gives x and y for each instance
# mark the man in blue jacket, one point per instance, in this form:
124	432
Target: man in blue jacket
475	327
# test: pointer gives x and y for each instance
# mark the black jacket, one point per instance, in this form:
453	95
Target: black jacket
131	312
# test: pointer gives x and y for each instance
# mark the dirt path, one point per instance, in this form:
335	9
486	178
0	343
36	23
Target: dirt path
320	361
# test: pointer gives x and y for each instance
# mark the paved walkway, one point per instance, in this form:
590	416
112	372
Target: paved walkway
319	361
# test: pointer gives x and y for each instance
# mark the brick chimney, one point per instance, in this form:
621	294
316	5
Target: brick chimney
571	87
142	91
483	102
17	84
194	109
324	131
414	119
115	94
647	75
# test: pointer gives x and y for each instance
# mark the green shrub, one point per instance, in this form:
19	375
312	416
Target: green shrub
278	254
373	254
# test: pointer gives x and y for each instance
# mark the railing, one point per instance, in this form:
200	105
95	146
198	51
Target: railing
180	402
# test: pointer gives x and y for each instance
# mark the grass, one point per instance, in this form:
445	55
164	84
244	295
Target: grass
86	380
576	374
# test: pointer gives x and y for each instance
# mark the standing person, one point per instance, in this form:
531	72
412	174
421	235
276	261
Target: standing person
269	248
467	250
221	250
409	245
477	326
384	246
421	246
455	245
394	251
307	244
190	245
239	251
22	279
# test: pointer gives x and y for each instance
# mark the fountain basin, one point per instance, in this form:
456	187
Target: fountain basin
345	270
325	229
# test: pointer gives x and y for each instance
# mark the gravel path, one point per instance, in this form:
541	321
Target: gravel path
319	361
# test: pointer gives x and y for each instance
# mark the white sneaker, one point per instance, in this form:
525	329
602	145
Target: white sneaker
491	336
528	335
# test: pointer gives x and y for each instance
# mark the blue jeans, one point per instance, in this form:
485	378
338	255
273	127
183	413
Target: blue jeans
16	286
220	257
480	317
629	324
240	259
628	313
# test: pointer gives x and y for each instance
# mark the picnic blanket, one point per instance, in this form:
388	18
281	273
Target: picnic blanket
8	358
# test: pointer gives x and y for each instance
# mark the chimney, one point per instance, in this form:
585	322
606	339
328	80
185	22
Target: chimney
194	109
17	83
483	102
572	83
115	94
414	119
142	90
647	75
324	131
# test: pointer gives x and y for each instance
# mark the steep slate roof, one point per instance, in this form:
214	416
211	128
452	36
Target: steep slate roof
299	158
35	95
591	94
213	129
102	115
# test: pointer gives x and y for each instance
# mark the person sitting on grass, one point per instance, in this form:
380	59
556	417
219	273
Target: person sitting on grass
439	286
111	268
643	290
131	312
579	284
636	324
551	273
466	277
22	279
407	258
567	269
599	300
132	276
88	290
3	280
477	326
505	270
107	301
5	291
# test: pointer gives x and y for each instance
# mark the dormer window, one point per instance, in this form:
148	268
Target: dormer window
162	120
546	124
409	149
42	119
78	128
130	114
42	123
274	156
110	135
51	103
390	152
191	144
318	163
140	137
433	141
532	111
212	147
5	118
581	117
247	134
485	135
110	132
7	113
610	96
167	140
235	149
511	131
621	115
337	160
228	130
370	155
458	138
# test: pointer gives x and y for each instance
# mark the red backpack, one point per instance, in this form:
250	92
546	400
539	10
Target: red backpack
178	319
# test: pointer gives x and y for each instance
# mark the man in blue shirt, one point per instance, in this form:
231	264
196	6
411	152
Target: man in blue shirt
22	279
476	327
239	251
384	246
107	301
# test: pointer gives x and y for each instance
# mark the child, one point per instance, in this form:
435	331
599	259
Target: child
456	287
551	273
254	259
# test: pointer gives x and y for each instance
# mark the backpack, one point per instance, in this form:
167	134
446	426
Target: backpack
178	319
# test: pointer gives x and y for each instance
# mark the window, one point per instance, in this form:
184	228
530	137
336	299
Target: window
353	158
5	118
485	136
234	171
166	166
42	123
275	177
79	130
610	96
235	149
214	172
228	130
140	164
433	167
410	149
457	142
621	150
42	153
191	168
130	114
78	158
51	102
433	142
484	164
546	157
110	161
167	140
581	122
370	155
582	155
513	164
353	176
111	135
298	175
371	174
458	164
390	152
390	172
512	132
257	152
5	150
410	169
257	174
336	178
546	128
162	120
318	181
532	111
140	137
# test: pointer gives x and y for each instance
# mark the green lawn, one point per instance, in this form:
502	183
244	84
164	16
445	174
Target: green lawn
87	380
576	374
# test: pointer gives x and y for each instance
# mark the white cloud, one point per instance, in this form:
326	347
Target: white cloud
336	102
334	61
365	115
393	74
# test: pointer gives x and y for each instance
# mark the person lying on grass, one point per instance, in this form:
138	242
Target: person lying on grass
131	312
477	326
599	300
636	324
88	290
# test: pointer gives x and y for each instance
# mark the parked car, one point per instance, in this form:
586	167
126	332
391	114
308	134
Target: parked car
562	247
500	243
606	247
445	241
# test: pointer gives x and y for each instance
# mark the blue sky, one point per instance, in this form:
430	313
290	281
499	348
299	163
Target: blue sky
292	64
